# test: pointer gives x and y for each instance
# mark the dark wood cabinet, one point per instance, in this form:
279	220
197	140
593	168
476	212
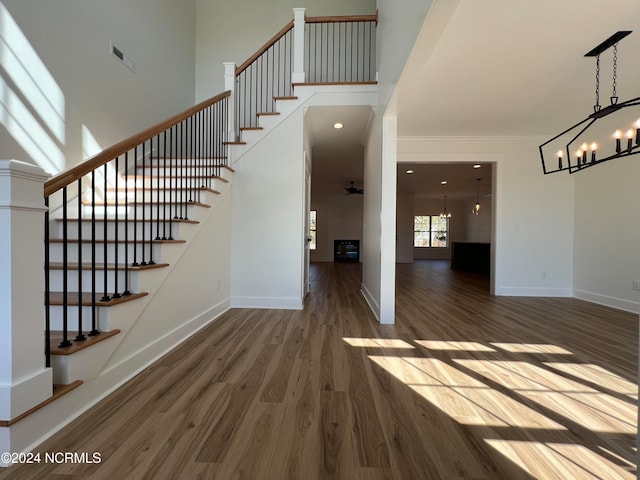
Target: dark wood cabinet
471	257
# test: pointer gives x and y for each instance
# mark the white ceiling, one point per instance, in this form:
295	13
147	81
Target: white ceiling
514	67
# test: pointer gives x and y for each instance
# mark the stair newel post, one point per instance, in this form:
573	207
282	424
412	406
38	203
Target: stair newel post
80	335
22	285
230	84
298	74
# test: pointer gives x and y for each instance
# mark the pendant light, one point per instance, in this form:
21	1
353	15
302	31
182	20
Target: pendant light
444	213
476	207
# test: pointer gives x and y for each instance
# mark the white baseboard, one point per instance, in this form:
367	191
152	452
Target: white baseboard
373	305
533	292
272	303
613	302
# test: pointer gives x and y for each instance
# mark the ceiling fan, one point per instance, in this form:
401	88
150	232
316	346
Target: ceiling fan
351	189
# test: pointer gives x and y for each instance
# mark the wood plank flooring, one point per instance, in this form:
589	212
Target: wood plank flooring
464	386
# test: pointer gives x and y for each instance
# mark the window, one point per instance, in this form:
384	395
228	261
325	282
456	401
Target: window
430	231
312	230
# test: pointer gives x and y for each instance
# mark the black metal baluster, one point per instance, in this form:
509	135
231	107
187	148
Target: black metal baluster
127	291
65	272
94	311
151	261
157	189
173	175
183	164
164	187
116	268
144	207
47	287
80	335
105	296
135	207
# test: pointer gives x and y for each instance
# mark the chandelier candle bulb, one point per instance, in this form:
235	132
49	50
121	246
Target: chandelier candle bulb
584	152
594	147
560	159
629	142
638	132
617	136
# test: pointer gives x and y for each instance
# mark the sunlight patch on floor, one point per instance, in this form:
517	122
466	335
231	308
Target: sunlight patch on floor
450	345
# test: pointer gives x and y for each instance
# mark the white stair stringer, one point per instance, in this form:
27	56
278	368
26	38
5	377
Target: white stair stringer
150	326
307	96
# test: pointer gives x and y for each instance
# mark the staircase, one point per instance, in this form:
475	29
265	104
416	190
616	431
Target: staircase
138	238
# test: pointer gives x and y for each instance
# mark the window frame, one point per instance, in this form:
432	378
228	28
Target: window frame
431	232
313	229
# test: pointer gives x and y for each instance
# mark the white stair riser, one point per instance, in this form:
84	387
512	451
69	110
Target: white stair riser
56	252
146	212
57	321
187	184
134	230
57	277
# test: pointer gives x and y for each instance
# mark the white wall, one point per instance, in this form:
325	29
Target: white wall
532	242
339	217
396	33
59	76
267	233
233	31
607	233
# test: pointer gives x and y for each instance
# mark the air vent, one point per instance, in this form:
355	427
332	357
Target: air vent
126	61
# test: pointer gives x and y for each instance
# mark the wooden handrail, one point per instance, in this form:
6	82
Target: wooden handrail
346	18
283	31
75	173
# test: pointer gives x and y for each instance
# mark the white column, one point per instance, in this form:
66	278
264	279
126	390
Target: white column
24	380
298	76
230	84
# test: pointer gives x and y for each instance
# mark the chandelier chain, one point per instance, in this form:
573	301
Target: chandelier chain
615	70
596	107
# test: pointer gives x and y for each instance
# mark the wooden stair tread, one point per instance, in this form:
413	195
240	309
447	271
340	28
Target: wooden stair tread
129	220
133	188
243	129
56	338
110	266
120	240
58	391
235	143
57	298
293	97
263	114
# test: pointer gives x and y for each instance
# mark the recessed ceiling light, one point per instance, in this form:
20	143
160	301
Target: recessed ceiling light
443	182
338	125
477	165
409	172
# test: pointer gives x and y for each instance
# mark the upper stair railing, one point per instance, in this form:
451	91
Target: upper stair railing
311	50
115	207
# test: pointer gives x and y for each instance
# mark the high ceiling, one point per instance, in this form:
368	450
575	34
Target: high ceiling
514	67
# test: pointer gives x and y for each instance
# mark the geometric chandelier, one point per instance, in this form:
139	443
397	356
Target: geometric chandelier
609	132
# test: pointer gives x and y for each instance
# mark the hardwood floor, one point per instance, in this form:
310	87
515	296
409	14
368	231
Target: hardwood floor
464	386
